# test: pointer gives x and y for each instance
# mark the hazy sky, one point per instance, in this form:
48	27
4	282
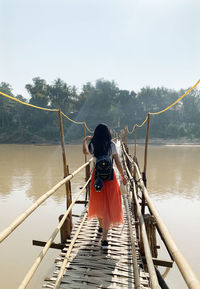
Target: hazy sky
133	42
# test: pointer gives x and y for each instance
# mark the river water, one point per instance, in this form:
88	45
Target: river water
28	171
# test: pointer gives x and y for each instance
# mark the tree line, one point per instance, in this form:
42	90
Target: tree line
101	102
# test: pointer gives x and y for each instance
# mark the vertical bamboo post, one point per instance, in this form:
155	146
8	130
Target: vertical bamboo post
134	168
146	143
145	161
67	186
125	135
85	155
135	142
134	156
121	136
87	170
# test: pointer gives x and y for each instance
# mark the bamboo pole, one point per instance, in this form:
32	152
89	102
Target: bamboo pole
85	154
148	255
38	260
66	258
135	137
134	157
184	267
67	186
150	265
145	162
9	229
125	135
87	171
86	168
121	136
133	249
146	145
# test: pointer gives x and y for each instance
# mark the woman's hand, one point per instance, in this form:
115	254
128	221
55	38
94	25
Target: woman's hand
87	138
85	146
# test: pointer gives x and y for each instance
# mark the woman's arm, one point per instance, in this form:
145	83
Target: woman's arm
85	146
119	167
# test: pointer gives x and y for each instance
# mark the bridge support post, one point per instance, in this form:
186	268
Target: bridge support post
134	156
145	162
121	135
125	135
65	230
151	234
66	171
87	172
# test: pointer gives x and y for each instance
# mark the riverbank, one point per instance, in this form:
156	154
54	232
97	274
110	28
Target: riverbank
168	142
25	137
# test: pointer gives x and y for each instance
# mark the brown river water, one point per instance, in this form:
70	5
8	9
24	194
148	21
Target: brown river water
28	171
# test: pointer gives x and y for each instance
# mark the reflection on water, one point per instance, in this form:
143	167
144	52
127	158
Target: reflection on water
172	170
35	169
28	171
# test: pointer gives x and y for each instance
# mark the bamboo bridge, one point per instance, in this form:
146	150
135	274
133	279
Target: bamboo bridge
131	260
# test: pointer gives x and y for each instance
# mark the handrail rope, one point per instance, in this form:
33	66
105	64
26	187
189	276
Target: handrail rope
43	252
28	104
167	108
47	109
9	229
175	102
76	122
184	267
137	125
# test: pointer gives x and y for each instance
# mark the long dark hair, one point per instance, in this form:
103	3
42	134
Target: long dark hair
101	141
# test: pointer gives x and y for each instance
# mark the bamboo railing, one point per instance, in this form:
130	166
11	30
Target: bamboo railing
66	258
147	251
133	249
184	267
7	231
37	262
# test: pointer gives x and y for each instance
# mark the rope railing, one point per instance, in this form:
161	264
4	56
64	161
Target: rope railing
28	104
165	109
184	267
38	260
7	231
47	109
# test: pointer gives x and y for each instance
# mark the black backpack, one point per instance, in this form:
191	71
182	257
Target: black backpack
103	171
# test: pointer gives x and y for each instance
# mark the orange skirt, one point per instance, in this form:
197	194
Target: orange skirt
106	204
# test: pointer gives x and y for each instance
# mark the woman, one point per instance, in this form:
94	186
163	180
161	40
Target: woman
106	204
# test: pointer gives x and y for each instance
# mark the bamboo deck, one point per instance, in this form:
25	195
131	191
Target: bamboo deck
89	266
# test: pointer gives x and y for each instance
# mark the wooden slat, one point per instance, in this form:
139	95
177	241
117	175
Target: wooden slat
53	245
82	202
159	262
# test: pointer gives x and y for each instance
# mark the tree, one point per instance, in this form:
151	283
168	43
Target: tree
38	92
6	107
62	96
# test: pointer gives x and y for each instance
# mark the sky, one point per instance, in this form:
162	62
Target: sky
136	43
